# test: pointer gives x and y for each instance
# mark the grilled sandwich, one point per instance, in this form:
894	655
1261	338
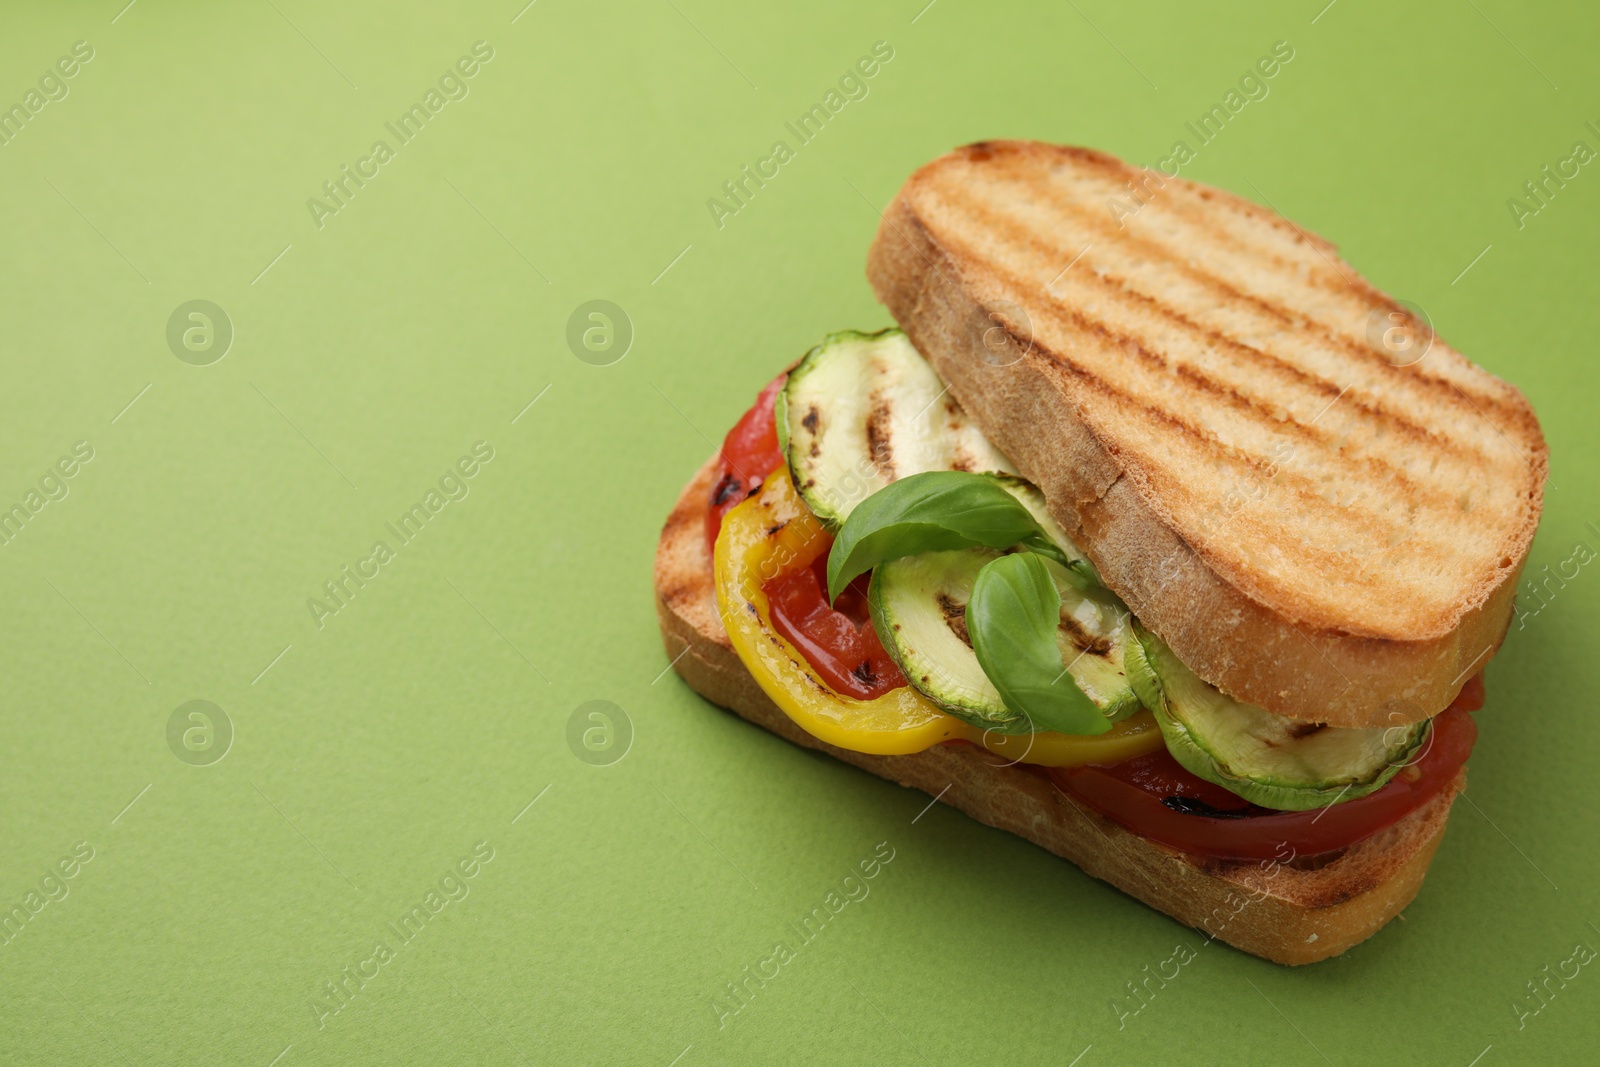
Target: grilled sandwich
1154	534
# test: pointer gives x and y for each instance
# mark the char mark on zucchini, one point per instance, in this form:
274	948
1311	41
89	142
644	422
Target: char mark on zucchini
879	431
1091	643
955	617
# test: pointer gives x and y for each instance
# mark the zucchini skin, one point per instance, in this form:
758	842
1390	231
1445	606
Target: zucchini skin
1196	756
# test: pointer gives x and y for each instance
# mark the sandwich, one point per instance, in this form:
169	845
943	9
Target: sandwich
1152	533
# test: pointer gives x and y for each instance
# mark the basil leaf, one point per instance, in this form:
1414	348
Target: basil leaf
1012	619
935	511
1082	575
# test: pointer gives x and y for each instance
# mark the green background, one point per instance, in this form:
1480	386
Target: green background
374	752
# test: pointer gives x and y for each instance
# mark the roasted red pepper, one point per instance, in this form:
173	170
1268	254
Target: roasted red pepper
839	642
749	453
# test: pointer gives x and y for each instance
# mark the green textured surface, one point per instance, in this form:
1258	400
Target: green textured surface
422	718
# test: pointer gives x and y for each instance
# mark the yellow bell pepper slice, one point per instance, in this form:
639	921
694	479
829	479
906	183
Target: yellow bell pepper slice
1134	736
774	533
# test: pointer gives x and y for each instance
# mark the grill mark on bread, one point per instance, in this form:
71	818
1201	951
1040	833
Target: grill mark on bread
687	586
1474	460
1374	299
1124	177
1332	276
1117	285
1121	176
1304	488
1392	522
1503	401
1303	434
673	595
1329	265
1217	449
1439	386
1322	386
1330	557
1298	433
679	518
1081	214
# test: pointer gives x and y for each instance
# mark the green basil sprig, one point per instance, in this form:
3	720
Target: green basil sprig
1012	619
936	511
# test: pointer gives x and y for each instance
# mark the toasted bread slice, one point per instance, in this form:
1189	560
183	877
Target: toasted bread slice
1285	913
1321	507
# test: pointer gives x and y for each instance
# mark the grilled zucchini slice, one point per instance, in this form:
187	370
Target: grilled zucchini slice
865	409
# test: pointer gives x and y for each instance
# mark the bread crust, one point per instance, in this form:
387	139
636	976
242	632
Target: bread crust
1289	914
1276	651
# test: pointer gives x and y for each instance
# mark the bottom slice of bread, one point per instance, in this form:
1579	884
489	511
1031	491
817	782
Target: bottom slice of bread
1299	911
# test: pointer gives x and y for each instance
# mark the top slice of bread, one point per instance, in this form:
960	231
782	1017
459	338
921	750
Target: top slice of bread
1234	424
